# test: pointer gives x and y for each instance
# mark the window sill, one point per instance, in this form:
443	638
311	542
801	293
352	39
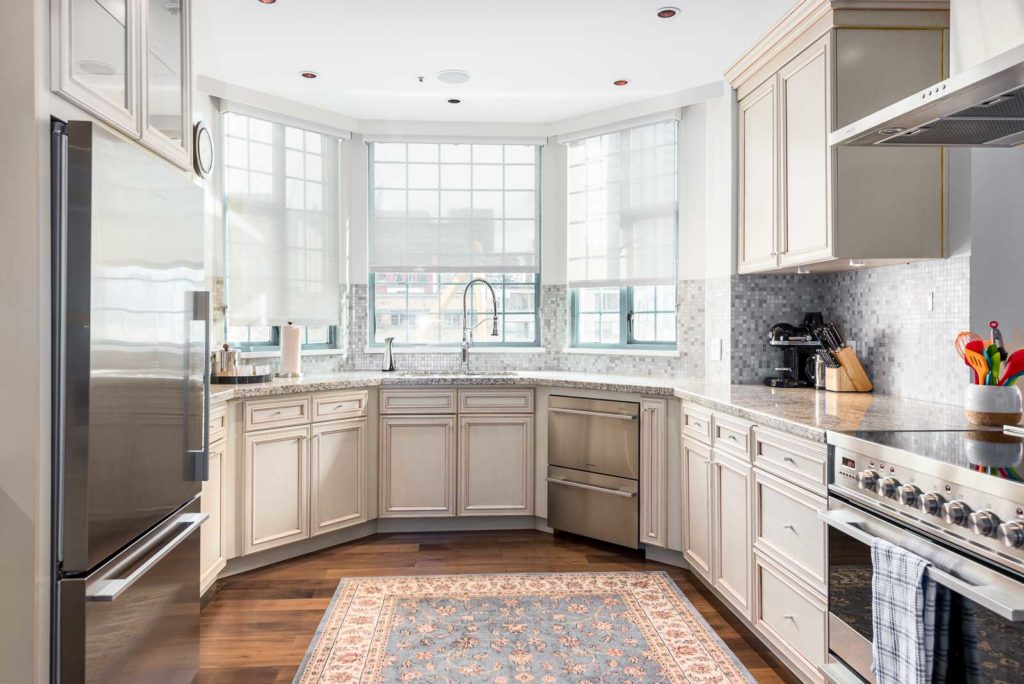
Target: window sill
275	353
666	353
458	350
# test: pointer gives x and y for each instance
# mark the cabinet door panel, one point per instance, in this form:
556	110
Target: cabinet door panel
496	465
758	175
417	466
337	467
165	67
211	535
806	166
697	506
276	487
731	518
653	470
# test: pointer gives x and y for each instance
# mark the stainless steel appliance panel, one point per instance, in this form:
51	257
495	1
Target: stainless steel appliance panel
136	618
133	365
594	435
986	622
597	506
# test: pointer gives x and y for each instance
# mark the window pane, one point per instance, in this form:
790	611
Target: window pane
643	328
666	327
318	334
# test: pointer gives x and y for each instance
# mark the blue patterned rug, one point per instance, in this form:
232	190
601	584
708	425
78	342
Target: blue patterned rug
623	627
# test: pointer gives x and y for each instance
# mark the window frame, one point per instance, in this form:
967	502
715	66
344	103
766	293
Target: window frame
478	341
625	313
274	343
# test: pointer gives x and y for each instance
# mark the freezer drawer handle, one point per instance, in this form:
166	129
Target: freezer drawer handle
989	597
603	490
110	589
596	414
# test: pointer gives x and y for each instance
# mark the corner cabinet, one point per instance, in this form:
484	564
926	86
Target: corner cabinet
803	204
128	63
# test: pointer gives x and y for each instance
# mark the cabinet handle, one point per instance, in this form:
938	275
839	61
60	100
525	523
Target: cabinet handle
732	437
789	527
788	459
275	413
789	616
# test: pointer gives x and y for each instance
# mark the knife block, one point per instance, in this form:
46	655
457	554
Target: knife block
850	376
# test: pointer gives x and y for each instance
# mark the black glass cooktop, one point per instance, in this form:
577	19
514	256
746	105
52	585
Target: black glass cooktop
990	451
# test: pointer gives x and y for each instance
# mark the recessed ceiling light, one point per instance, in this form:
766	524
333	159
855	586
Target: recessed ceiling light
454	101
308	74
452	76
267	2
620	82
668	12
96	68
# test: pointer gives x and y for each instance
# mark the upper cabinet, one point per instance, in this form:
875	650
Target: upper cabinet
127	63
804	205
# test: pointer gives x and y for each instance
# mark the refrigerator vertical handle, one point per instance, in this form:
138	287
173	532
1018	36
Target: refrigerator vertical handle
201	451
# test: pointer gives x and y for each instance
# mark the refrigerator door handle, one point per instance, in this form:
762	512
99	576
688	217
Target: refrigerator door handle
108	589
201	452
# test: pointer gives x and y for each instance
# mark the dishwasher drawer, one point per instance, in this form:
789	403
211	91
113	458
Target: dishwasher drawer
597	506
594	435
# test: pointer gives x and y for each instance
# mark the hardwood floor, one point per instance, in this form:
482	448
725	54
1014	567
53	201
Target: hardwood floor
257	625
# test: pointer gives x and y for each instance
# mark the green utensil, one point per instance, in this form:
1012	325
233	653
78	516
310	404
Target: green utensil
994	359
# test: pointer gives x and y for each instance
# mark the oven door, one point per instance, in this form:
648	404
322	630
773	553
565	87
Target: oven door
986	630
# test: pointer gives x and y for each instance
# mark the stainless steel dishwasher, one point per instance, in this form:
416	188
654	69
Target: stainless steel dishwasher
594	468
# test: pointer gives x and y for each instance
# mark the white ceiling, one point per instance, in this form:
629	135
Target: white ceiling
531	61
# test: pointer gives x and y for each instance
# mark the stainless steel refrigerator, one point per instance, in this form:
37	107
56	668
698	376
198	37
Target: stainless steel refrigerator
130	392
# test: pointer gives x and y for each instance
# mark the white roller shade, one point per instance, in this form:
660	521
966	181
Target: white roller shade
622	207
282	225
453	207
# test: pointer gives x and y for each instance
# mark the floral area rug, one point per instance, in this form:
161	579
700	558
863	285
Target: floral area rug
617	627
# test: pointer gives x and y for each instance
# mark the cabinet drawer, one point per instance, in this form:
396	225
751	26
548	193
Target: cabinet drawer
496	401
697	423
790	616
795	460
786	527
339	405
275	413
731	435
417	401
218	422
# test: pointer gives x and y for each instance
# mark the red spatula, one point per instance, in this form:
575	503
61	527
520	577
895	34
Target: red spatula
1014	367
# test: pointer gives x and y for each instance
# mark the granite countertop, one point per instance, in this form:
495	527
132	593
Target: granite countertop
802	412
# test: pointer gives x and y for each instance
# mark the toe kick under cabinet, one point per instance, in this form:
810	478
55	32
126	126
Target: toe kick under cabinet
447	452
304	466
751	497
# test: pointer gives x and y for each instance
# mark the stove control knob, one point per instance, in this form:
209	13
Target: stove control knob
930	503
887	487
909	494
956	512
985	523
1012	534
867	479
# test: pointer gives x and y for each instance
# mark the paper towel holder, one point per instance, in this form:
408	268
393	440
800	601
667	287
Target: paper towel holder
290	375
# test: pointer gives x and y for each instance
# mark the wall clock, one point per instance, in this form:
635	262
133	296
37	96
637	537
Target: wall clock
202	146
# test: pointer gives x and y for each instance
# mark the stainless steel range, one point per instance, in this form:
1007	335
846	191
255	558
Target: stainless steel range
953	497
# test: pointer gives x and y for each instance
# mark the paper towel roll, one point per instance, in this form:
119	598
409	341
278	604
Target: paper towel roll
291	359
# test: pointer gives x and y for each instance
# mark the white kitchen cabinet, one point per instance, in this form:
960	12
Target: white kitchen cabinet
495	469
805	230
804	204
212	557
730	523
338	464
417	466
276	488
697	495
653	471
758	163
127	62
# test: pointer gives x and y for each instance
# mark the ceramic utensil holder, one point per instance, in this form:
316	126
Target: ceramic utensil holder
993	405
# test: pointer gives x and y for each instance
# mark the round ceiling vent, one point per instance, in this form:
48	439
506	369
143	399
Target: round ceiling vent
452	76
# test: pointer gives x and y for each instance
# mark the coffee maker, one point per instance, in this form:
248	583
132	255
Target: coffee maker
799	346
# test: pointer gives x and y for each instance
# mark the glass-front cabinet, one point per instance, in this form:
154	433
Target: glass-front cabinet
126	62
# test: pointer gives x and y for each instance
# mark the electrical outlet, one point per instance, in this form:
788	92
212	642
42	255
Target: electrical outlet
716	349
931	301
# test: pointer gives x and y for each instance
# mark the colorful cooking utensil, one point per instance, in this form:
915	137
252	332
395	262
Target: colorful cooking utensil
976	360
963	339
1013	368
996	337
994	359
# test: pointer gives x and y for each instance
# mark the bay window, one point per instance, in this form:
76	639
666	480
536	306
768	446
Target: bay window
441	214
622	230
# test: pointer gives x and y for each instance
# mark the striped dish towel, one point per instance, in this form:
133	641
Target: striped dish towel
902	616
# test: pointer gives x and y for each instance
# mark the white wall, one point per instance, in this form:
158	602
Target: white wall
24	336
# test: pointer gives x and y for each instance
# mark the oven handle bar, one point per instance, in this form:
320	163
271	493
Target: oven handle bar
992	597
593	488
593	414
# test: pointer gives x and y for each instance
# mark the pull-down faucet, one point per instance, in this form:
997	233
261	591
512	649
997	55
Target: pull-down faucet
467	330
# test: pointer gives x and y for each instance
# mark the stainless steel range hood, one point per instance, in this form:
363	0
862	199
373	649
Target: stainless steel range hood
982	106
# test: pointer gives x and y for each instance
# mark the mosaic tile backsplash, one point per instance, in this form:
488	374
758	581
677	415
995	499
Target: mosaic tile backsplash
906	346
